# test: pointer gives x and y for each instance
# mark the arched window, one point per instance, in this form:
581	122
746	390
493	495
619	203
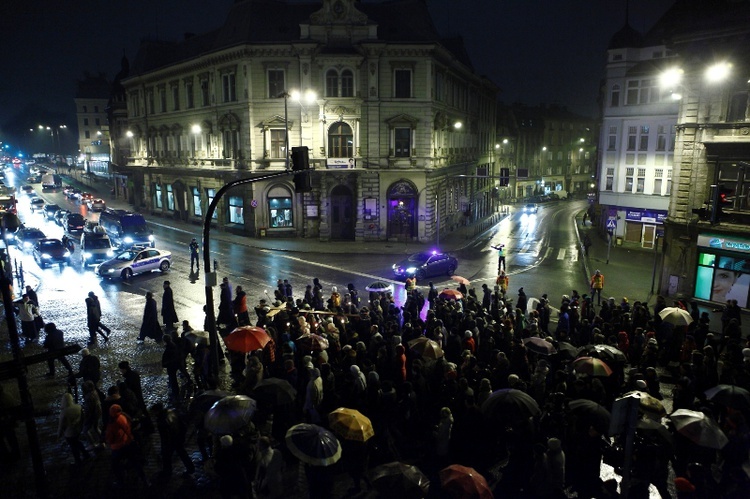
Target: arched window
332	83
339	84
340	141
347	83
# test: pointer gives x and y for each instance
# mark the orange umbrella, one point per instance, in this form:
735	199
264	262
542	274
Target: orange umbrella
591	366
463	482
247	339
350	424
461	280
451	294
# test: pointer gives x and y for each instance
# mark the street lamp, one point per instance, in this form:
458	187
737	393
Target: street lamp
195	130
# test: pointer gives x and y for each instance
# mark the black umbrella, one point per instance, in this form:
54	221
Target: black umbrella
275	391
607	353
729	396
400	480
313	444
202	402
379	287
566	350
592	413
229	414
510	404
539	346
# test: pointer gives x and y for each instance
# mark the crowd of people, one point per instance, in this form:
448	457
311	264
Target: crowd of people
434	409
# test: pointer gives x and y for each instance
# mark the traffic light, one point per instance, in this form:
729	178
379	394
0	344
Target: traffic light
301	163
504	177
722	197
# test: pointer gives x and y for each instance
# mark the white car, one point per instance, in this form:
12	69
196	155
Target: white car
135	260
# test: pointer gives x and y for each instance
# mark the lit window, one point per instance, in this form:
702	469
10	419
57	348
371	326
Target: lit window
236	210
210	194
197	210
157	196
280	212
170	198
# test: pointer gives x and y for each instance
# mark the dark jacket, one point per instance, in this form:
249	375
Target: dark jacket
150	327
93	311
90	369
54	340
168	313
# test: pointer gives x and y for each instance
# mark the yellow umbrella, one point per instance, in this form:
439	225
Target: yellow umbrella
350	424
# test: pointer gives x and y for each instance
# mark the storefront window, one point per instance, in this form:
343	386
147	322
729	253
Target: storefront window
197	210
720	278
210	194
280	211
157	196
236	210
170	198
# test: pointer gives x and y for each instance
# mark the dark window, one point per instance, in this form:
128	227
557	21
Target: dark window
402	142
347	83
332	83
204	93
737	107
402	83
276	84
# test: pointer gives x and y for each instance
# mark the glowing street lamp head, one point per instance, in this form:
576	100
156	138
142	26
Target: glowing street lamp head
671	77
129	134
718	72
457	125
311	97
195	128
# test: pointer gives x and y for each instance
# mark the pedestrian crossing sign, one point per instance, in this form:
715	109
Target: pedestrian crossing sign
611	223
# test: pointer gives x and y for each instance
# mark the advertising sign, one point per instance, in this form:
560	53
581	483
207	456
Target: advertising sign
341	163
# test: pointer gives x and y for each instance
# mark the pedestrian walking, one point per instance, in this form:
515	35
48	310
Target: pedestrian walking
54	341
94	319
502	282
194	260
70	427
597	285
132	380
150	327
89	369
172	432
33	298
27	311
92	415
168	313
226	317
173	361
586	244
500	248
125	450
240	307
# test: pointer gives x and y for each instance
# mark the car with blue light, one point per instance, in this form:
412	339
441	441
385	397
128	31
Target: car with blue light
426	264
136	260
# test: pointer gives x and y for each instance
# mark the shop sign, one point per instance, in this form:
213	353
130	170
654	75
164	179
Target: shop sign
341	163
725	243
645	216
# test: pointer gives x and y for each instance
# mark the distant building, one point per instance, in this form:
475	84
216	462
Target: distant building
400	130
556	152
675	144
92	96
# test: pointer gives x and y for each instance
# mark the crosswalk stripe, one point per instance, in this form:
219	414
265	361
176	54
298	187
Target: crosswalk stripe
561	254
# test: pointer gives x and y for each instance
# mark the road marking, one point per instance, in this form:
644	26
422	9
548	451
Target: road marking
561	254
574	253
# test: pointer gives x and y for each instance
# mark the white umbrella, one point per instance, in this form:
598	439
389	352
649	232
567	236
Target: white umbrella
676	316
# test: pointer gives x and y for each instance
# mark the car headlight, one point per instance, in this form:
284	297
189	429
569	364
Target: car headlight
110	271
128	240
87	255
27	244
411	270
46	256
151	238
110	253
66	254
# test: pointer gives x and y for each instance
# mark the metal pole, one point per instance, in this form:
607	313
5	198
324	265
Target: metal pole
27	402
210	277
437	216
286	130
656	259
609	244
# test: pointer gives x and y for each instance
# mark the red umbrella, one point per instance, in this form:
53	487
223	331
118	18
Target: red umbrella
462	482
591	366
460	280
451	294
247	339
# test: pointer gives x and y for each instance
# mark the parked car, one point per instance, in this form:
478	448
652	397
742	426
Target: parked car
96	204
73	223
426	264
36	204
27	237
135	260
49	211
50	251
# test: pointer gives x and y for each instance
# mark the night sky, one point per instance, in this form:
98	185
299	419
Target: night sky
536	51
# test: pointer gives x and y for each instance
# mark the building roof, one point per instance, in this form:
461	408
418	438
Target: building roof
278	21
93	87
693	18
627	37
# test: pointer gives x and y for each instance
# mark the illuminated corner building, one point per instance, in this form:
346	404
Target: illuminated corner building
700	84
400	127
92	96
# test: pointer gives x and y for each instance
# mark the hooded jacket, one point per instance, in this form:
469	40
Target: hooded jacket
118	433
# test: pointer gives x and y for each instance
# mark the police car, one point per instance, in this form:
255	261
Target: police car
136	260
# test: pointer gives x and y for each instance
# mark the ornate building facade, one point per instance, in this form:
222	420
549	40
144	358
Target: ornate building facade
399	128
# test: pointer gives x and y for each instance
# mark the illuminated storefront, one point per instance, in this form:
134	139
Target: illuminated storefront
723	270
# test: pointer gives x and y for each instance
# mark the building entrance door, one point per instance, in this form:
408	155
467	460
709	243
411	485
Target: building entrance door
342	213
